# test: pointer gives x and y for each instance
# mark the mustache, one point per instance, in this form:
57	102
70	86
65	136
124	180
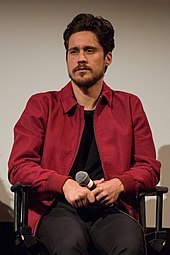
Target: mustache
81	67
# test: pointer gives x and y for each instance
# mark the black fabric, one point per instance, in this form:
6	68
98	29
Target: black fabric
109	231
88	158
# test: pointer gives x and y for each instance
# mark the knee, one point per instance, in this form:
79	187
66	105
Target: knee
128	243
74	241
133	244
75	244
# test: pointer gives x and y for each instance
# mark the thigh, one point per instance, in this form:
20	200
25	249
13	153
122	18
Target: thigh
118	233
63	232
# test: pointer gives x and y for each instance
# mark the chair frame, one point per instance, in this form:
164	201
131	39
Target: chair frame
26	243
157	238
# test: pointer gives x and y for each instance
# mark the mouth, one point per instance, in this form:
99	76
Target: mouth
82	69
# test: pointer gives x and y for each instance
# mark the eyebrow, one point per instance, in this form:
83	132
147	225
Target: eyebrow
84	48
90	47
73	48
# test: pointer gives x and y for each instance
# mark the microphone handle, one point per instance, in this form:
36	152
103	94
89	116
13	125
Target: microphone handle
91	185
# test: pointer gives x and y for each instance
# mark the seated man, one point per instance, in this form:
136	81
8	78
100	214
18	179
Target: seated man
85	126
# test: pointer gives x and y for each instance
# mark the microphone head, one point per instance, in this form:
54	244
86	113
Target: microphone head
82	178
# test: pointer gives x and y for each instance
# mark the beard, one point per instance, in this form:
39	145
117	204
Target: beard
84	83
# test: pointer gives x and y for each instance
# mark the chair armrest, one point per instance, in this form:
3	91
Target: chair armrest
21	185
158	192
21	190
24	241
158	237
154	191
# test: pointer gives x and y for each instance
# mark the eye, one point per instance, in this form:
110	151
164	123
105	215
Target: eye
73	51
90	50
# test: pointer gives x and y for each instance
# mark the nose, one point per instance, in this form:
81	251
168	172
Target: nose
82	57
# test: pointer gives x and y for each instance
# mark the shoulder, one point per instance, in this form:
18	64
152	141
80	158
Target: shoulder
125	94
118	95
47	95
44	99
52	96
130	100
126	98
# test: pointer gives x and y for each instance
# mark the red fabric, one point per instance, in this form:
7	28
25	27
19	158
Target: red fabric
48	134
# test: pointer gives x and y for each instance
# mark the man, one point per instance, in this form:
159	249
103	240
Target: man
85	126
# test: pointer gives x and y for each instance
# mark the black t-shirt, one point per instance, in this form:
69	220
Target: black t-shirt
88	158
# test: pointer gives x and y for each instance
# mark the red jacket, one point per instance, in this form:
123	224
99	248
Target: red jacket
47	138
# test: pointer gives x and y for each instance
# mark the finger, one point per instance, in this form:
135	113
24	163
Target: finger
96	182
81	202
78	203
90	197
98	190
101	197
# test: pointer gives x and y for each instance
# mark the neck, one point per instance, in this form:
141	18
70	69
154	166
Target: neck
87	97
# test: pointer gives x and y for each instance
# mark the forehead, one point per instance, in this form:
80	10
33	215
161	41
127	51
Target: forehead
83	38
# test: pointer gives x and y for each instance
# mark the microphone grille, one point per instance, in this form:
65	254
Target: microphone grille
82	178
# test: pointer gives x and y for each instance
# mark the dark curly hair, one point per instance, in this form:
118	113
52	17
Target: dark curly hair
102	28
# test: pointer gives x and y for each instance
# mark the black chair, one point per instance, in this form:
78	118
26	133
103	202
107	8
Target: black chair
157	238
25	243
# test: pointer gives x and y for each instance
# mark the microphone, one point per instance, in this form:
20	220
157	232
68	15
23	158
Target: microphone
83	179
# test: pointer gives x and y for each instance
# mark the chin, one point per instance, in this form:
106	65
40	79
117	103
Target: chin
86	83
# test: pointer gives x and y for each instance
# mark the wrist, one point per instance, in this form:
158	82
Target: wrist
67	183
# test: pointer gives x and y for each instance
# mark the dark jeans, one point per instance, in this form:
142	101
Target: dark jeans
93	230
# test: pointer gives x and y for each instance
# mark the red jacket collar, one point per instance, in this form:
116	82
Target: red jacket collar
68	99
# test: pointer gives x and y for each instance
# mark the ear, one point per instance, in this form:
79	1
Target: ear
108	59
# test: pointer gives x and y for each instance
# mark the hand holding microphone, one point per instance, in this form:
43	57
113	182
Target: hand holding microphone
106	192
84	180
76	194
80	196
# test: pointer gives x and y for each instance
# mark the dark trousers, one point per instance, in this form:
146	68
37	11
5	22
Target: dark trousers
93	230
